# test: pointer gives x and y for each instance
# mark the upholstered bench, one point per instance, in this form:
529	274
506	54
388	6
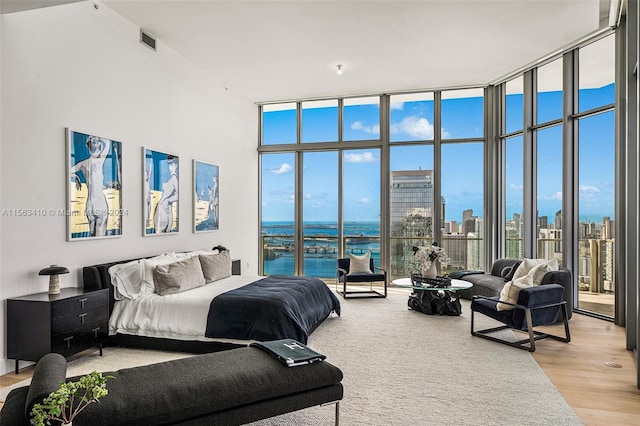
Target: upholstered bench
226	388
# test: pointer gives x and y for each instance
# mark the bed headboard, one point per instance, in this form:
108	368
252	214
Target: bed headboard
96	277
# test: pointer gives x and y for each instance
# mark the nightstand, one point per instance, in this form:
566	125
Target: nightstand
66	323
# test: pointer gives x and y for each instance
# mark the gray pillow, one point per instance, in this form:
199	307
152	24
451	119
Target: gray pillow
178	276
215	266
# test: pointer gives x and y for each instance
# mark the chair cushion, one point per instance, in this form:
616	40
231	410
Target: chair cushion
361	278
487	306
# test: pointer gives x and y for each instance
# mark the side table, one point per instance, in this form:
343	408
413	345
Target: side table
66	323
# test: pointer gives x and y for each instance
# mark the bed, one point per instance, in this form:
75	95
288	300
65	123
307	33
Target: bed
224	311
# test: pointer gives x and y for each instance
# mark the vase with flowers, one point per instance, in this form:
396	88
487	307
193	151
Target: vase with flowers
427	257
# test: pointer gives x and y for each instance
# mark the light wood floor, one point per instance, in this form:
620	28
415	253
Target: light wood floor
599	394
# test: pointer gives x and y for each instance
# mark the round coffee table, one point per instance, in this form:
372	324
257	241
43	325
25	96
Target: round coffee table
455	285
434	300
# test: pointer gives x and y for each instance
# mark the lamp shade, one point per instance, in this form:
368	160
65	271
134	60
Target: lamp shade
54	270
54	282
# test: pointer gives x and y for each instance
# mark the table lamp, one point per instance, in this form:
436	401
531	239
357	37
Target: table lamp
54	282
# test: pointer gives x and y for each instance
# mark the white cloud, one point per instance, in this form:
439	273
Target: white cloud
587	188
364	200
415	126
397	105
513	186
363	157
284	168
357	125
557	196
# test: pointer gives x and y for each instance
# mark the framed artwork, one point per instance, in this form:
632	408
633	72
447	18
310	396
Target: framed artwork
206	202
160	192
94	186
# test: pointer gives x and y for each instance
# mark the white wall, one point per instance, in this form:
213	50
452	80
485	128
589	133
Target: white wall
75	66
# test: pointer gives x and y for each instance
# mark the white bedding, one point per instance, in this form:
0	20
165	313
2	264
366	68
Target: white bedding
180	316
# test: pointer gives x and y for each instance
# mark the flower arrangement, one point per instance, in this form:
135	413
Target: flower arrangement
72	397
429	254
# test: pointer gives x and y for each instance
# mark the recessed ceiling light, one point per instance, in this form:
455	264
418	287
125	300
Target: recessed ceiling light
339	67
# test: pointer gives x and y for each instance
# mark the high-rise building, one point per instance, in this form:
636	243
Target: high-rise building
608	227
411	194
411	213
558	222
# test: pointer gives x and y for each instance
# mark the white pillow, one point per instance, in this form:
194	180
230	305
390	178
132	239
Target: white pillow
551	265
533	278
511	290
150	266
525	266
126	279
359	264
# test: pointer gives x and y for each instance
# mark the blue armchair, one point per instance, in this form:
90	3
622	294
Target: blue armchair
536	306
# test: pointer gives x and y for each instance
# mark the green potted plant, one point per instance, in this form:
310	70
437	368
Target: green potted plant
72	397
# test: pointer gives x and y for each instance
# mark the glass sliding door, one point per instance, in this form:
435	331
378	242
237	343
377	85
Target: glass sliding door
277	231
361	202
462	205
320	213
596	258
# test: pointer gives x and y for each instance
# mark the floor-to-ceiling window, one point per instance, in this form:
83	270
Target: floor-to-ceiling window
462	179
319	212
512	126
411	180
335	197
320	184
596	177
549	160
534	112
278	240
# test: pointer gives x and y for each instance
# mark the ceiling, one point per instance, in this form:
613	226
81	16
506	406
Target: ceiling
282	50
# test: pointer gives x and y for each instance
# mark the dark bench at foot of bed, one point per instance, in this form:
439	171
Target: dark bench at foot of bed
230	388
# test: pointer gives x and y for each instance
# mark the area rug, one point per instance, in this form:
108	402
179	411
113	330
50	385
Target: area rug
402	367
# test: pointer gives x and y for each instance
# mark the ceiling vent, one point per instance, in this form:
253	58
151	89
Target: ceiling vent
148	40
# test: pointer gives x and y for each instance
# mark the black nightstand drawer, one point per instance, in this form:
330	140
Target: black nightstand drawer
79	304
79	319
82	338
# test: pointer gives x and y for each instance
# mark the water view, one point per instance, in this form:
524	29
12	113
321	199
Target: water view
320	245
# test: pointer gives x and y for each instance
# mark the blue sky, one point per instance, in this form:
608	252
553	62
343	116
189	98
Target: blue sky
412	120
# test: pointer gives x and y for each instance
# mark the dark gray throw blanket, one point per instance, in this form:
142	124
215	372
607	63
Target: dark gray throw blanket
460	274
273	308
